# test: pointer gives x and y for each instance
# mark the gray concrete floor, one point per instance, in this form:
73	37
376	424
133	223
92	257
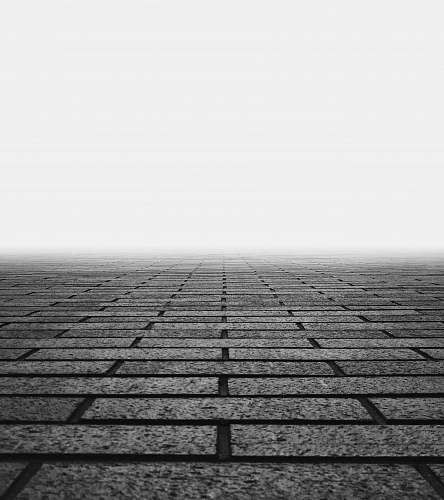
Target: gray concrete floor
211	377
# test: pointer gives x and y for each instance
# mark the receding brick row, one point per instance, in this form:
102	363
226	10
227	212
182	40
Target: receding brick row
37	408
337	385
411	408
55	367
93	385
130	353
341	440
331	354
223	480
228	408
417	367
165	439
11	353
226	367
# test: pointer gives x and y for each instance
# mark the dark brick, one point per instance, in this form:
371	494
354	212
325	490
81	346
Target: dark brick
302	334
66	343
387	343
55	367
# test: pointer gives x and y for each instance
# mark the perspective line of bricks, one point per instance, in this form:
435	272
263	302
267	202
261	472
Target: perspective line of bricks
221	377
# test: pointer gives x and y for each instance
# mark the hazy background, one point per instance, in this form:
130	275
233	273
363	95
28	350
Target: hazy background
259	125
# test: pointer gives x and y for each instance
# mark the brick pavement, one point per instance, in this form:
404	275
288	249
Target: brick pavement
221	378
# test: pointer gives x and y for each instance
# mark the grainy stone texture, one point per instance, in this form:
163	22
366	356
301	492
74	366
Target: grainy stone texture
337	385
111	385
411	408
35	408
228	408
226	368
338	440
191	481
107	439
221	377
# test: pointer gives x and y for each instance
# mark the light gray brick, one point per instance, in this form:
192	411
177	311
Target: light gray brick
237	481
338	440
155	439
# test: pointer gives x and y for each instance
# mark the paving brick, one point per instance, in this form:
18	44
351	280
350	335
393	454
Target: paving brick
226	367
54	367
95	385
375	326
411	408
33	334
240	481
110	325
417	367
66	343
215	333
338	440
337	385
107	439
14	328
228	343
34	408
131	353
330	354
302	334
228	408
385	343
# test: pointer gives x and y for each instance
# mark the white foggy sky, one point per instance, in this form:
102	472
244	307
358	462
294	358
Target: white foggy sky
169	124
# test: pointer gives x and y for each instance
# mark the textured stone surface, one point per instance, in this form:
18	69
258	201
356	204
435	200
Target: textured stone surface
8	472
93	385
323	354
221	481
411	408
287	377
228	408
107	439
338	440
63	343
337	385
226	367
133	353
418	367
34	408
